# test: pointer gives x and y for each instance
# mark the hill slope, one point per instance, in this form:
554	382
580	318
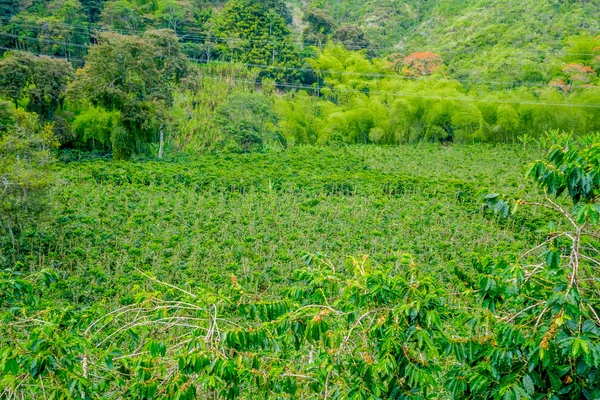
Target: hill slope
483	39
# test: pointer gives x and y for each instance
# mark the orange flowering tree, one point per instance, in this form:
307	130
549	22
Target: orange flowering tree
578	73
561	85
422	63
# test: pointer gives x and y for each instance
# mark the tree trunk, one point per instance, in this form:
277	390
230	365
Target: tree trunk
161	143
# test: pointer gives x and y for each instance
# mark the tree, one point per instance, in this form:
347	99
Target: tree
507	119
422	63
123	16
45	78
8	8
15	75
250	33
353	38
320	25
94	126
93	9
50	78
468	121
247	119
25	154
278	6
175	14
578	74
134	75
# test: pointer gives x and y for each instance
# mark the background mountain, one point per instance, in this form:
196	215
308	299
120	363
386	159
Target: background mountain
510	41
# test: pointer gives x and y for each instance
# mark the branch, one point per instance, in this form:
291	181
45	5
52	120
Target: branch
522	311
164	283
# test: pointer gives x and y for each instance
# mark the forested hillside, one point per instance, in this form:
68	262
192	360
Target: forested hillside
319	199
502	41
320	72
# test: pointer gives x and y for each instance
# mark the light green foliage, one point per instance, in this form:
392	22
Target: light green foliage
507	119
368	101
448	71
176	14
194	125
503	44
95	125
24	176
302	117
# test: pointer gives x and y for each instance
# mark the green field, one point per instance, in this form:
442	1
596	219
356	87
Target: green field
197	221
353	272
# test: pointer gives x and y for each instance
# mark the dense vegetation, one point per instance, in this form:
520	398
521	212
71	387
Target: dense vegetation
316	199
224	276
313	73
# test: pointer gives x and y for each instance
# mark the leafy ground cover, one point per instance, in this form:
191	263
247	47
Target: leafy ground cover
197	221
423	272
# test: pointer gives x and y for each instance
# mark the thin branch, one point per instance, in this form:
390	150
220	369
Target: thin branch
165	283
595	315
522	311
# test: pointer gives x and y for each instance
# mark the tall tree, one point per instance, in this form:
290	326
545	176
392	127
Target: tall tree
50	78
134	75
423	63
15	75
320	25
251	33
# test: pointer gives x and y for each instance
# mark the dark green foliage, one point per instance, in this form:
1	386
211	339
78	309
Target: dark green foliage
44	79
92	9
253	33
247	119
135	76
8	8
6	117
49	80
15	74
320	26
353	38
122	141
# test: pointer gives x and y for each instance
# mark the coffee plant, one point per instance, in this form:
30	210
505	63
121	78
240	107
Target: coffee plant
518	326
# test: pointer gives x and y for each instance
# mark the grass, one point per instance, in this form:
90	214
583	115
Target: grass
197	221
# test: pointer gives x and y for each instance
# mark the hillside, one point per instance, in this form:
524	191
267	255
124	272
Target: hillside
511	41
